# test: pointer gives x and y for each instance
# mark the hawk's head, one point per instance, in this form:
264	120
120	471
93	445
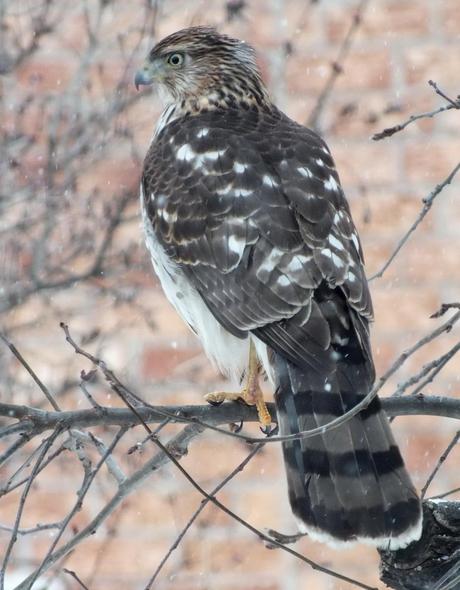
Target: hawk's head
203	65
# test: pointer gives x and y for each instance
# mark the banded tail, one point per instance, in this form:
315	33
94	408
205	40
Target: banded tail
350	483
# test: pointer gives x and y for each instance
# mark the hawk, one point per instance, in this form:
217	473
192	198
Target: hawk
253	242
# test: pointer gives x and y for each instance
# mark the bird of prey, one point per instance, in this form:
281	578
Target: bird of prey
253	242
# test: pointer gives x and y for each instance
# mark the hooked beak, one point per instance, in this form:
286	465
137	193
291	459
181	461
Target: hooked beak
146	75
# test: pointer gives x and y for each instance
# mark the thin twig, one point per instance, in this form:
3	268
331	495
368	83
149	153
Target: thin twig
180	445
31	530
206	416
440	461
284	539
198	511
31	372
427	204
444	308
244	523
86	484
10	452
75	577
454	103
337	66
22	501
431	369
444	328
171	454
9	486
389	131
132	400
445	494
436	367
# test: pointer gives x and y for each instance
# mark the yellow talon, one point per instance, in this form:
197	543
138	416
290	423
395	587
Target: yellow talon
251	394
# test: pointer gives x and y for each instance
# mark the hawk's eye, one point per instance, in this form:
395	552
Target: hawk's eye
175	59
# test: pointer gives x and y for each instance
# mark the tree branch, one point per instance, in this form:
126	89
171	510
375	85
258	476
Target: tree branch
336	67
427	204
432	563
34	422
389	131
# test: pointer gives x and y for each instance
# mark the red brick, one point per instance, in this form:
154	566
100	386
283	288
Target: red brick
307	74
394	18
45	75
387	19
363	163
398	309
450	17
363	71
160	363
247	556
431	62
431	161
223	454
385	214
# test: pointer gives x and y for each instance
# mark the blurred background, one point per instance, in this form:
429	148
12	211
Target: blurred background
73	135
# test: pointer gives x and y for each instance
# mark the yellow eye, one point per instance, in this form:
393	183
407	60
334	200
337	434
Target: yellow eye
175	59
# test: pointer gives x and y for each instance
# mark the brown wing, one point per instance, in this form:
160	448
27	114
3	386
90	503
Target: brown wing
249	204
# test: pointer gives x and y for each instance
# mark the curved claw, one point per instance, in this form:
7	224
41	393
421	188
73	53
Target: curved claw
267	430
236	427
214	402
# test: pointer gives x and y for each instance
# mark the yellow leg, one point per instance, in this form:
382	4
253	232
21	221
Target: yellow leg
251	394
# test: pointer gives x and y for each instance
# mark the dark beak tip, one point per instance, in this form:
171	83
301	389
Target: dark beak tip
138	80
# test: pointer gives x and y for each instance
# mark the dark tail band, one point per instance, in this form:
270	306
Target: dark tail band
349	483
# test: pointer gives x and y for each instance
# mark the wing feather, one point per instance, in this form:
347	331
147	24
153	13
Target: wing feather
254	215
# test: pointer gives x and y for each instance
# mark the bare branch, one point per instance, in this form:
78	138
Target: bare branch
31	530
89	475
179	444
35	421
22	502
198	511
431	369
427	204
453	103
32	373
445	307
337	66
73	575
172	457
389	131
440	461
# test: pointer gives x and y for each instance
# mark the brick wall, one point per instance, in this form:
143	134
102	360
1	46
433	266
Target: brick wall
398	48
